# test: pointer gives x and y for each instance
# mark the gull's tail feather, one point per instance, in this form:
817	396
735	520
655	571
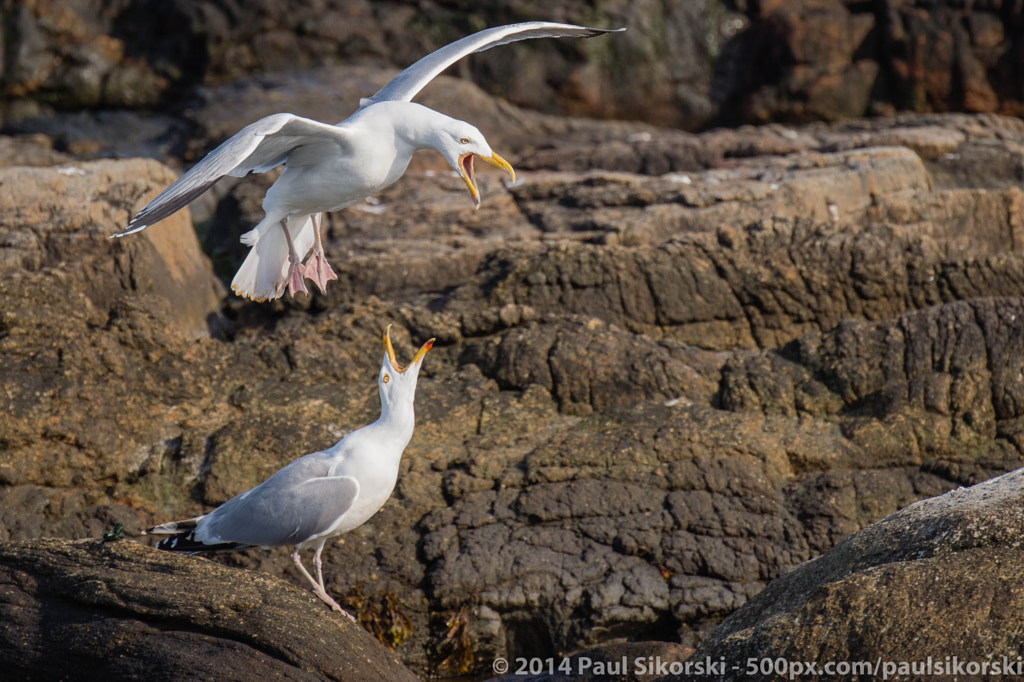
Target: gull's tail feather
173	527
183	537
264	272
186	542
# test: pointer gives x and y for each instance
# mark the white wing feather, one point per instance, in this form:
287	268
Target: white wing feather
406	84
258	147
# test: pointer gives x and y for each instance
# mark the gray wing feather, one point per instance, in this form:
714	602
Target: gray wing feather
258	147
406	84
291	506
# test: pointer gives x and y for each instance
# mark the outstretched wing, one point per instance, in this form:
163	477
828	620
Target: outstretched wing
257	147
405	85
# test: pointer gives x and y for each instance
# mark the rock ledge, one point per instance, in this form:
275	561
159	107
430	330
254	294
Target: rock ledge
125	611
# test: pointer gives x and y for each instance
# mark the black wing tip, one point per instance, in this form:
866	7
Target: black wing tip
132	228
574	30
602	31
186	542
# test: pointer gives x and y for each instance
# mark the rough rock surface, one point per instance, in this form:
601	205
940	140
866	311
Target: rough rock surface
59	221
940	579
670	369
688	65
123	611
73	54
829	59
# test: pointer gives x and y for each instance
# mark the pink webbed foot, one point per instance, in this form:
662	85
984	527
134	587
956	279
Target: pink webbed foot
319	270
295	281
326	598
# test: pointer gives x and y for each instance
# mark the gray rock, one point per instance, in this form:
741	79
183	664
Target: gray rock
937	580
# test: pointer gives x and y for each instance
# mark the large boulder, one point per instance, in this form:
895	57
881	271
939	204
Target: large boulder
934	589
120	610
59	227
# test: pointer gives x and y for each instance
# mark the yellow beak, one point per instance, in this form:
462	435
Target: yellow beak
391	351
466	170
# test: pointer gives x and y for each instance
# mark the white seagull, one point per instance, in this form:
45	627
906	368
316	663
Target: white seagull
318	496
328	167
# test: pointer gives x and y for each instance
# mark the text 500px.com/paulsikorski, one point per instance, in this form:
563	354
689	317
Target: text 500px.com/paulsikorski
754	667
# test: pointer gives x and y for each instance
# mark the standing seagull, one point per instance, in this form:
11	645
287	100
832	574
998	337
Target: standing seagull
328	167
321	495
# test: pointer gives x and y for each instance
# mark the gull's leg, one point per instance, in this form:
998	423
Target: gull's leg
318	588
318	564
298	564
317	268
295	282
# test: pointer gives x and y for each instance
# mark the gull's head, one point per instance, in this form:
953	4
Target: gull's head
459	142
398	384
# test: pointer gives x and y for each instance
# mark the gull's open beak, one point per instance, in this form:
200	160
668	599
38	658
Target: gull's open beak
466	169
422	351
391	351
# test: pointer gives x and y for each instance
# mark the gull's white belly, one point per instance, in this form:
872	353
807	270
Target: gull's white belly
377	476
336	182
366	504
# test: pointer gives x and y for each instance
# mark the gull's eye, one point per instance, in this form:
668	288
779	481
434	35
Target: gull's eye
464	140
386	378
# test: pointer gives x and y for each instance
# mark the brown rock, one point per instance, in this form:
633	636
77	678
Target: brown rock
125	611
652	394
35	150
823	59
61	221
810	63
63	54
68	54
687	66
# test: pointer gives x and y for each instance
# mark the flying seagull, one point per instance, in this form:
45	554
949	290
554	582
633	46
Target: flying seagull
328	167
318	496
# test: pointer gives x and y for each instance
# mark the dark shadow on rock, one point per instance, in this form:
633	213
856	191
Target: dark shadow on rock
120	610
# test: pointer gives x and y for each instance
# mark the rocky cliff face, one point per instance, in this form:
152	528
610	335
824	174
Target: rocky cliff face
686	64
670	367
652	394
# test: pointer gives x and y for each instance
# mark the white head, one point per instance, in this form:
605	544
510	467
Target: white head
397	384
457	141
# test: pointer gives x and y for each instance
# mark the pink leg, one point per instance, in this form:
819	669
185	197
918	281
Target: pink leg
318	587
295	282
319	566
317	268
